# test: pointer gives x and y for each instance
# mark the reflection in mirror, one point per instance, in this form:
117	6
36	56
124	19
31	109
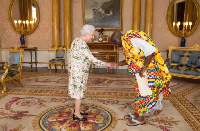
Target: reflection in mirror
24	16
182	22
183	17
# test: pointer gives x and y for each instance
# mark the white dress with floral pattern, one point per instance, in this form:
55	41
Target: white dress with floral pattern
79	65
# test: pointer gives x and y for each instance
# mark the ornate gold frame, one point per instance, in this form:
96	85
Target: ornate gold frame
106	28
169	22
36	24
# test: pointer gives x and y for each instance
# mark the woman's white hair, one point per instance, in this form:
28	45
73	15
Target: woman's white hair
87	29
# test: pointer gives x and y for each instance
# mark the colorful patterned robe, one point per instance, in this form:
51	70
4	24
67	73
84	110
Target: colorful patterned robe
157	72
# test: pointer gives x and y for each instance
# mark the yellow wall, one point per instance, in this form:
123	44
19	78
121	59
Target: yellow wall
42	37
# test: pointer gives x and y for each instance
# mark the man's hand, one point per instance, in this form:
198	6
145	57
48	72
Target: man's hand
146	63
141	73
114	64
121	63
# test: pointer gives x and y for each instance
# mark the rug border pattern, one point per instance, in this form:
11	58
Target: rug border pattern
187	109
121	95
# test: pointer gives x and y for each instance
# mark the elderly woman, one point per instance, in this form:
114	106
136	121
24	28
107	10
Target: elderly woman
79	64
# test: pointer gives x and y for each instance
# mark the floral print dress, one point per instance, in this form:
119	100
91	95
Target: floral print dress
79	65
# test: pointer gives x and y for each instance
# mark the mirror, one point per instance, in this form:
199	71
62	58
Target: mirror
183	17
24	16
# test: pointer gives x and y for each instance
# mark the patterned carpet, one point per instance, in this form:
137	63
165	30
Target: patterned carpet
43	104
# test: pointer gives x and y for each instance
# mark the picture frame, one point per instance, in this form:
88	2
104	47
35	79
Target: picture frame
106	14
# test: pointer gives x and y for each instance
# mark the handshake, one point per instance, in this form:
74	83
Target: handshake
111	64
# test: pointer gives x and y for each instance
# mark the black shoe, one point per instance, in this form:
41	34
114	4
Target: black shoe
84	113
80	119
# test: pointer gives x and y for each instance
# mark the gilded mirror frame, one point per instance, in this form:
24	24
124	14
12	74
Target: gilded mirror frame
170	24
36	22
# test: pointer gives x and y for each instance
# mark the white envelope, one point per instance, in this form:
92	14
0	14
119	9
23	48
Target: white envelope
143	85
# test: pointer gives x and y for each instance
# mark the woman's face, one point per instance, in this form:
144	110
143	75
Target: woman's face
90	37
